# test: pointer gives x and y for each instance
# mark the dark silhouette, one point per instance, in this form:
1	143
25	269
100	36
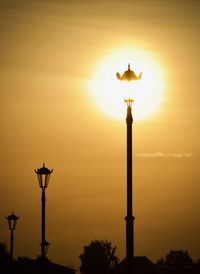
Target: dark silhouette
4	255
98	258
129	75
177	262
140	265
43	175
24	265
12	222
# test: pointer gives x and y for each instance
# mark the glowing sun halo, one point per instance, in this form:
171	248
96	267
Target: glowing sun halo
109	92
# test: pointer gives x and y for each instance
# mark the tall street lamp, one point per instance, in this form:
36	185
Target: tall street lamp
12	222
43	175
129	76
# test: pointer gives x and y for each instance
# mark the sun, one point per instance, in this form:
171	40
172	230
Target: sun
109	92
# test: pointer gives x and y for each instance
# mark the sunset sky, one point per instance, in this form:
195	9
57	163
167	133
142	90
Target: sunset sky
49	52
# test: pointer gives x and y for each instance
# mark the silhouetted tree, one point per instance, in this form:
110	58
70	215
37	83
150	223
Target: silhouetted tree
98	258
4	255
176	261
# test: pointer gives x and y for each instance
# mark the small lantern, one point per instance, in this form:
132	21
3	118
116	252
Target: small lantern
43	176
12	221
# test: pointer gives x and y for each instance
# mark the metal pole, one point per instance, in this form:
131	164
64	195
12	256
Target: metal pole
129	218
11	245
43	200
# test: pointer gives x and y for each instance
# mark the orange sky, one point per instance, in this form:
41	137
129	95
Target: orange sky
48	51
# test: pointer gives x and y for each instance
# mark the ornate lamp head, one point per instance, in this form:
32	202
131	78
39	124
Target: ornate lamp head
129	75
43	174
12	221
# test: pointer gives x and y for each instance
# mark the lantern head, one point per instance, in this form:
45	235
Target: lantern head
12	221
128	77
43	175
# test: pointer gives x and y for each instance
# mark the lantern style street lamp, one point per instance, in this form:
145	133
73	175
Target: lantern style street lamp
129	75
43	175
12	222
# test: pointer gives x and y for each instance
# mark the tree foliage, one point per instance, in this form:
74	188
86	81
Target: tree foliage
176	261
4	255
98	258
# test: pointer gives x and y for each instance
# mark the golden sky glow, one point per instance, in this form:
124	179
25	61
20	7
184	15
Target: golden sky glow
148	93
57	60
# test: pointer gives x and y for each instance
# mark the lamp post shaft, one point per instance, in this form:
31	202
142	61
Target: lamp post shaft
129	218
43	175
11	245
129	75
43	201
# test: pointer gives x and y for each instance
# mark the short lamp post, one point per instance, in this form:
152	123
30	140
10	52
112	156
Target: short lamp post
129	76
43	175
12	222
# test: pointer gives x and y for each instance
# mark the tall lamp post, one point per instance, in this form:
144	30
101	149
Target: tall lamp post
129	75
12	222
43	175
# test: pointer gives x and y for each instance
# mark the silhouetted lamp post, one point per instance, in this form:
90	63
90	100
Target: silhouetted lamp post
129	76
12	222
43	175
